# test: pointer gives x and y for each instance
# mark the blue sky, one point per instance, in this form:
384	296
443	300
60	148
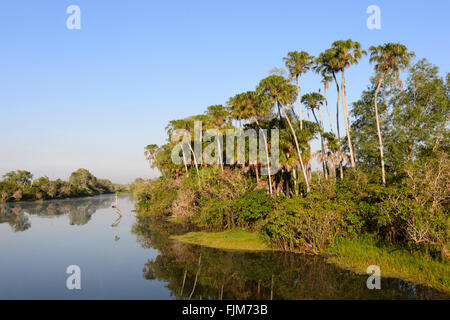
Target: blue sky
95	97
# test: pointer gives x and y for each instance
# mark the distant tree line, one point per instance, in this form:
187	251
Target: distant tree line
19	185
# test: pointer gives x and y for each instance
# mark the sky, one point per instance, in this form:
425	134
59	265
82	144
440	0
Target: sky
94	97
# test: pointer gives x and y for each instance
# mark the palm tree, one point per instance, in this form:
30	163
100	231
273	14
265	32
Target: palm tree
283	93
250	105
328	64
387	57
150	152
219	115
313	101
184	124
326	79
298	63
348	52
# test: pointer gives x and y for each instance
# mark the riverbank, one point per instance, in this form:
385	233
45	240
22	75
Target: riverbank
229	240
354	255
394	262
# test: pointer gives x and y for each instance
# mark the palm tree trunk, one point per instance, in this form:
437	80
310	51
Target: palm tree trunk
347	120
325	162
256	173
267	155
184	161
337	124
299	104
219	153
305	177
321	142
380	139
328	110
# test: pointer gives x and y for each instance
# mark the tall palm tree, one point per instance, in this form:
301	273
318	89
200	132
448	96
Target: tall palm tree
326	79
390	57
283	93
250	105
348	52
218	115
298	63
313	101
328	64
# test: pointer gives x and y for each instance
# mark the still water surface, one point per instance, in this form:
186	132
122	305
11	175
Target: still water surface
135	259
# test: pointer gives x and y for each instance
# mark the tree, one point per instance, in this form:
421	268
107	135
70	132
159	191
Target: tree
282	93
219	115
254	106
150	152
348	52
390	57
84	182
328	64
326	79
313	101
20	178
298	63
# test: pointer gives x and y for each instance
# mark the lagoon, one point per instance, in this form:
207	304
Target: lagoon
135	258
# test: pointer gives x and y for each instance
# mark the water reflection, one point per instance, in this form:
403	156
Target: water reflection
80	210
157	267
194	272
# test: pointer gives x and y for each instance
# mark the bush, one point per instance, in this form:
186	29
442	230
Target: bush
252	206
307	224
215	214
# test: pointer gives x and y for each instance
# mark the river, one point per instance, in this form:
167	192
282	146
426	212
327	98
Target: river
134	258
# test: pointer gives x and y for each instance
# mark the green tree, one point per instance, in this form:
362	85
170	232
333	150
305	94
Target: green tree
21	178
390	57
254	106
348	52
313	101
282	93
328	64
298	63
218	115
150	152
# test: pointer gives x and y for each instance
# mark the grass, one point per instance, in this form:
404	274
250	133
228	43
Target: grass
231	240
357	255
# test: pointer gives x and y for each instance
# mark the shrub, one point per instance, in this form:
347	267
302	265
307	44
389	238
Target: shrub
307	224
252	206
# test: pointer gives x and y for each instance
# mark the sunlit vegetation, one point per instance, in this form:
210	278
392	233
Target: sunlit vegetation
387	176
231	239
20	185
357	255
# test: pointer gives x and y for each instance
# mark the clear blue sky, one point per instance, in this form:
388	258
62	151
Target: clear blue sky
95	97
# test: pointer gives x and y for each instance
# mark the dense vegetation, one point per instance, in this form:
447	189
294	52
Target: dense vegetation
388	177
20	185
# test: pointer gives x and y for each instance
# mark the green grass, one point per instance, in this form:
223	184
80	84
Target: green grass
231	240
357	255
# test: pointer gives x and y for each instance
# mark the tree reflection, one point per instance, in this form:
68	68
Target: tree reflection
194	272
79	210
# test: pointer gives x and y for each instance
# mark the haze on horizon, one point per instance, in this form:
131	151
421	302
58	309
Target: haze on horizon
94	98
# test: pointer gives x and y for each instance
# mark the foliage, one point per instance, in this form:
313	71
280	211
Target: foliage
18	185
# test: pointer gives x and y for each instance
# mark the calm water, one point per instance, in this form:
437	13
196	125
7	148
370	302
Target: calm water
130	259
